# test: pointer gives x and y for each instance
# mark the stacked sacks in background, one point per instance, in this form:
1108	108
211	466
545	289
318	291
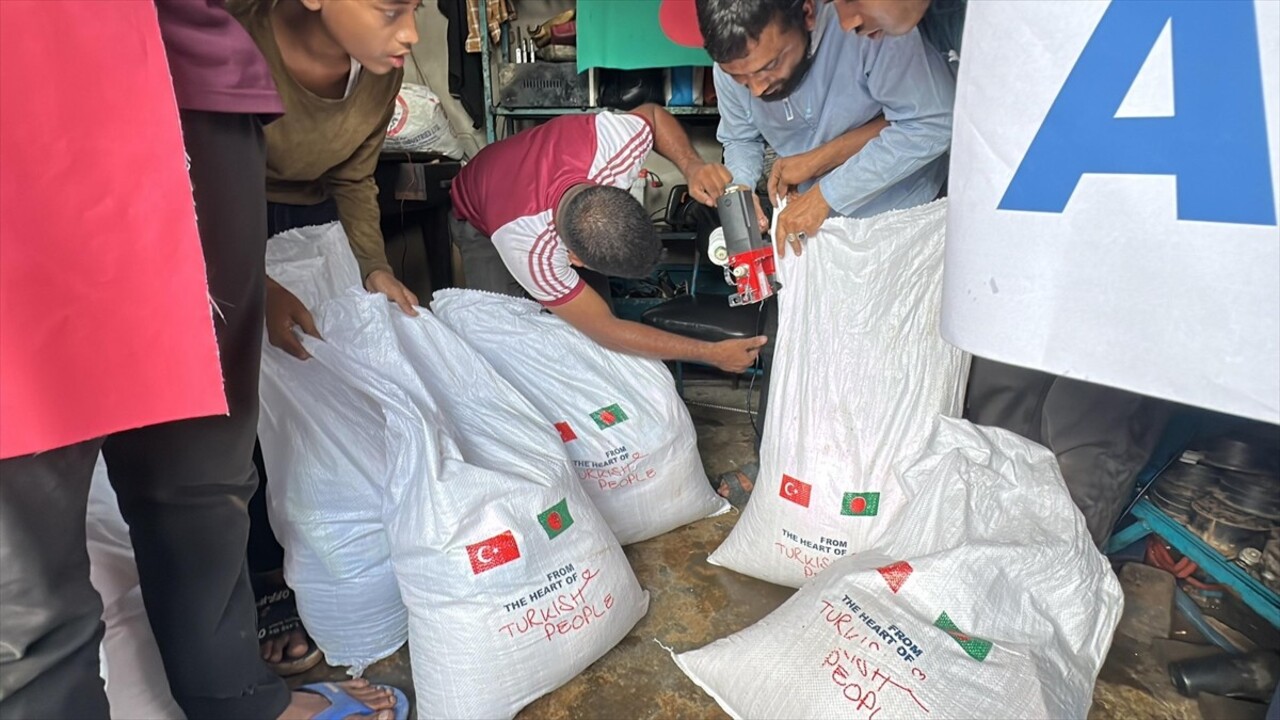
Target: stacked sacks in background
419	124
632	442
987	598
859	375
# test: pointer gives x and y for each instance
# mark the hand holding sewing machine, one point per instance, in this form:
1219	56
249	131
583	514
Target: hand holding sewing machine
707	183
738	247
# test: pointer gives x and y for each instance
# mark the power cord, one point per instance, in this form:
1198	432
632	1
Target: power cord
759	364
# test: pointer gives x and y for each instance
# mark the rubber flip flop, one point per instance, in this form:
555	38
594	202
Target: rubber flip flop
343	705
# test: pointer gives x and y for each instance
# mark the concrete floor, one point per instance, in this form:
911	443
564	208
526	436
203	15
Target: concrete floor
693	603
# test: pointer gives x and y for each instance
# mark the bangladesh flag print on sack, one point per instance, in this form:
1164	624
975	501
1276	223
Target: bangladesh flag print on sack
977	648
556	519
860	503
607	417
489	554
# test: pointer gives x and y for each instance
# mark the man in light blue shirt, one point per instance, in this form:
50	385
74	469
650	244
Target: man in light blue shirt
787	75
940	22
861	126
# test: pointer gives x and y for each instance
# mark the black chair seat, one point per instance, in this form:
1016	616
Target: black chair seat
704	317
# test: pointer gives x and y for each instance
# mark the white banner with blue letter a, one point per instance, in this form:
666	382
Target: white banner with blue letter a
1114	196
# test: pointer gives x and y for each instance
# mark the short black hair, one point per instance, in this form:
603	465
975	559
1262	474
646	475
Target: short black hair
610	231
729	25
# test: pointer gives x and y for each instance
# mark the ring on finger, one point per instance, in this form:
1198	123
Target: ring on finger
801	236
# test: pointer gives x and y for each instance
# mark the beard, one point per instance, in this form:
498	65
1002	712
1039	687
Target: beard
798	75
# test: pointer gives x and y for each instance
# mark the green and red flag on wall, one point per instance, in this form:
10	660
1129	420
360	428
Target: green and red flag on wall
637	34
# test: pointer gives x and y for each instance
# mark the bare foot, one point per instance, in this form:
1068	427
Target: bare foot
306	705
743	481
289	646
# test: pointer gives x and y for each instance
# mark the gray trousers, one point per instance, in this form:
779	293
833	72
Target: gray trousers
183	488
484	270
1102	436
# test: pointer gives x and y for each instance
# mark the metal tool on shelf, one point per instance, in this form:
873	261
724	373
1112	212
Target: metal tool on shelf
1219	506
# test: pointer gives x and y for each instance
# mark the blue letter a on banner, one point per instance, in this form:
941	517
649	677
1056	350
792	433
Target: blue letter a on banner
1216	141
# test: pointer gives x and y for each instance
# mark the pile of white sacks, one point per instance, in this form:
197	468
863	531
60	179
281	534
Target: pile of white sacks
464	480
944	571
413	484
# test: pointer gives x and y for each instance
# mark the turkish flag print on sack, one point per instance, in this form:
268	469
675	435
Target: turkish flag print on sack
489	554
795	491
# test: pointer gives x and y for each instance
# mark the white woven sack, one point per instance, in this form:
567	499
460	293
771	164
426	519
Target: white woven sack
500	556
859	374
419	124
632	442
326	448
987	599
131	668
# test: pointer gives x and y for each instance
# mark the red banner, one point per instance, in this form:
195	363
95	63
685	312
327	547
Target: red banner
105	323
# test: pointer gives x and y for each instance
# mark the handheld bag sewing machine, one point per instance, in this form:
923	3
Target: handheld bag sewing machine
738	247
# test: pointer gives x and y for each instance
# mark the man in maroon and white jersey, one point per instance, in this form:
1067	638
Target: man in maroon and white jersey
536	213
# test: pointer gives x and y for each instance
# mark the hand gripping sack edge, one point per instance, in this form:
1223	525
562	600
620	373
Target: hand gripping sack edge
630	437
859	374
499	554
988	599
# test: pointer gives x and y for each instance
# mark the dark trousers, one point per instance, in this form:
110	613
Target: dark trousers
1102	436
182	487
265	554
